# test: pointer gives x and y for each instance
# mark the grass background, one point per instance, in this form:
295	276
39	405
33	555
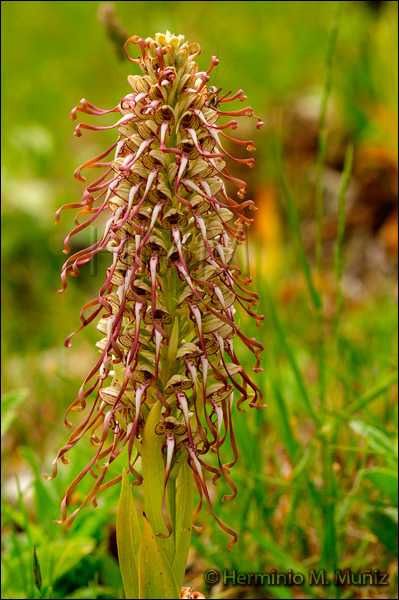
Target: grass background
317	469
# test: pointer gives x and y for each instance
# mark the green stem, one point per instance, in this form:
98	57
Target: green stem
329	554
340	239
321	158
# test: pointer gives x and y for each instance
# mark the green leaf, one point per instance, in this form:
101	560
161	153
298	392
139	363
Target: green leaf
153	479
184	517
385	480
373	394
9	405
128	539
68	555
384	526
303	462
156	578
279	556
36	573
378	440
84	593
47	502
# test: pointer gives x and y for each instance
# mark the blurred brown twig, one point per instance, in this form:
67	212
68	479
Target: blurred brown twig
113	27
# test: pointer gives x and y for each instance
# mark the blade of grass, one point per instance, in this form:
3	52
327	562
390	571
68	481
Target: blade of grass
341	230
27	581
337	391
361	450
373	394
322	146
364	400
23	513
329	552
283	424
295	227
290	355
286	431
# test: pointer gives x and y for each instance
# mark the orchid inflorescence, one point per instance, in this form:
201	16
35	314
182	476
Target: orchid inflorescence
168	299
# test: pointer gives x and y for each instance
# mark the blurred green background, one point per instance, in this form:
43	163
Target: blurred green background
317	469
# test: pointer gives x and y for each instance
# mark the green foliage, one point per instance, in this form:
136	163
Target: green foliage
316	482
128	537
156	578
10	403
184	517
147	571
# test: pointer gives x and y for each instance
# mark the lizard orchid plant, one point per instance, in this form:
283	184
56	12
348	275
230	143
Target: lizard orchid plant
167	380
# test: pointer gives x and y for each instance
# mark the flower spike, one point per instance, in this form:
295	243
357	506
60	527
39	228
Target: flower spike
166	308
